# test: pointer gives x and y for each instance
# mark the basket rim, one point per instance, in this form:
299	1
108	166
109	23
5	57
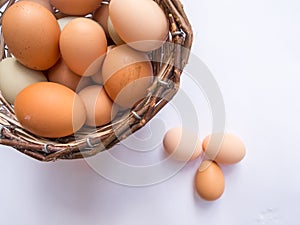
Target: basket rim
181	38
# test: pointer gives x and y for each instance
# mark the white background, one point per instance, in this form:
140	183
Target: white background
252	49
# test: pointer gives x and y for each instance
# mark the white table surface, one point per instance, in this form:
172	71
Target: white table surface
252	50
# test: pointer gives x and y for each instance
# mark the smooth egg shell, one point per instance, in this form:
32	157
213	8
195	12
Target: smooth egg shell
98	105
14	77
31	33
76	7
224	148
113	34
50	110
141	24
44	3
83	46
182	144
60	73
127	74
209	181
62	22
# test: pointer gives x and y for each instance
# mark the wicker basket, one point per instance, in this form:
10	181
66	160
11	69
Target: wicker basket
167	79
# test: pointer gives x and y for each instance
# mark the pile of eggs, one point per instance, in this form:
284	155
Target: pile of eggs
218	148
68	73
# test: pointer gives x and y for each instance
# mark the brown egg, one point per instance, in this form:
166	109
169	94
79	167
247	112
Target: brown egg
60	73
224	148
76	7
83	46
127	74
141	24
209	181
113	34
50	110
182	144
62	22
97	78
101	16
98	105
44	3
31	33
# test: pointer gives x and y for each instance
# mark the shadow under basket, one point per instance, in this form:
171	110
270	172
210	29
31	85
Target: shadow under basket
168	63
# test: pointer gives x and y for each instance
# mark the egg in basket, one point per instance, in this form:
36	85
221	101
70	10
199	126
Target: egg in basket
77	77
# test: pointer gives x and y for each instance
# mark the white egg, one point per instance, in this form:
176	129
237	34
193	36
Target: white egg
14	77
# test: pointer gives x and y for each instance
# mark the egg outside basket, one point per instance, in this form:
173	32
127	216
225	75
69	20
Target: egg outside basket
168	63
